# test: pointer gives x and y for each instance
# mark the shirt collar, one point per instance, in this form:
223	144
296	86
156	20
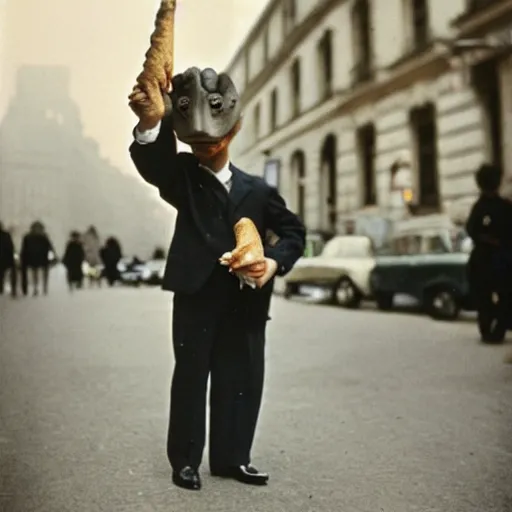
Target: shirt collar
223	175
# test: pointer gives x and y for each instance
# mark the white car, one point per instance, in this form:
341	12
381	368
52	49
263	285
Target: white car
343	269
153	272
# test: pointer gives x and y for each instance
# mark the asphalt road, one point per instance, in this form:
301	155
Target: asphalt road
364	411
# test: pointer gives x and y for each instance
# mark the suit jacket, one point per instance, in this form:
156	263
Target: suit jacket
207	213
6	250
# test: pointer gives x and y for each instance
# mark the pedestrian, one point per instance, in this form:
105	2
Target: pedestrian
7	261
92	246
36	254
111	255
74	257
490	264
218	326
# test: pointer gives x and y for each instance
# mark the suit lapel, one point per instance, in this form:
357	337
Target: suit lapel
199	187
240	187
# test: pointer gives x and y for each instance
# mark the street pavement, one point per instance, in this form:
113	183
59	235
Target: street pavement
364	411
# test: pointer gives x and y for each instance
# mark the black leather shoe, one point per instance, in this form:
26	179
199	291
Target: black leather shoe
187	478
245	474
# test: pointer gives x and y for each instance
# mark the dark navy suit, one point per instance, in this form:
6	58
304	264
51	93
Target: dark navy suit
218	328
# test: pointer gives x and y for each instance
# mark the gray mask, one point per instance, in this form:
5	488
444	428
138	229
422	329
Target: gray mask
205	106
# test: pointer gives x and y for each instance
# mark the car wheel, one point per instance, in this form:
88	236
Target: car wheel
346	294
442	304
384	301
290	289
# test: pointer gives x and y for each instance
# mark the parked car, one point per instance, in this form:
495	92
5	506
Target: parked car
343	268
427	264
131	270
152	272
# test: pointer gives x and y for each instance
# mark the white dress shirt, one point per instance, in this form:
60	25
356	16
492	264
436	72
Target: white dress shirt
224	175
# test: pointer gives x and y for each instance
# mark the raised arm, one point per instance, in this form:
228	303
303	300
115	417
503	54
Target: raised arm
154	150
290	230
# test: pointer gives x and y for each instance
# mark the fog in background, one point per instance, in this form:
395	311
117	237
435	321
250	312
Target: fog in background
103	42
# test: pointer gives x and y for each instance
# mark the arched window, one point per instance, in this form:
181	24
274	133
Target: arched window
328	184
298	165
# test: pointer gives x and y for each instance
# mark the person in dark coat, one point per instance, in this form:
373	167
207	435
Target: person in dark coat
7	261
111	255
490	265
36	250
219	323
73	259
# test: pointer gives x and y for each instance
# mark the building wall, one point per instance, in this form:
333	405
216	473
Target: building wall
460	127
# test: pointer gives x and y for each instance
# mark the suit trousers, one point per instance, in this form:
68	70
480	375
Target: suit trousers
35	278
13	275
212	338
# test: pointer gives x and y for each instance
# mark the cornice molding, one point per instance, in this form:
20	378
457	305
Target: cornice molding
431	64
471	22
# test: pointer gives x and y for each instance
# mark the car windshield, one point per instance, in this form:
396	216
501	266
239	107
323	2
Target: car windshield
347	247
427	243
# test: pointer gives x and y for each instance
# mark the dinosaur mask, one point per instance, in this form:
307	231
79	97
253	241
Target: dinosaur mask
205	108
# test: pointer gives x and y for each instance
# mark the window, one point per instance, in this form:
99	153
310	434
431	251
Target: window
362	41
299	174
328	185
256	122
420	23
295	79
325	63
423	124
289	15
366	143
265	45
273	110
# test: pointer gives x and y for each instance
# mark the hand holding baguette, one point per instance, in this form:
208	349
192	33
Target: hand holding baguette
153	83
249	247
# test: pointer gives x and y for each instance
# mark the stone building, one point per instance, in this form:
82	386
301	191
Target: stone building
337	91
50	171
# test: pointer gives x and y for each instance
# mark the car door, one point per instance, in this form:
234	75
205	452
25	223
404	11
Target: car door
392	271
425	264
411	262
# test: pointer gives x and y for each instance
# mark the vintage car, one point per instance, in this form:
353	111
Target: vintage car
343	269
427	264
152	272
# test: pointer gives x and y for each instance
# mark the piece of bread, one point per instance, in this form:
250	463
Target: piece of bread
159	63
249	247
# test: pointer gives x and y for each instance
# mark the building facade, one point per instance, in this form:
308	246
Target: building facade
339	95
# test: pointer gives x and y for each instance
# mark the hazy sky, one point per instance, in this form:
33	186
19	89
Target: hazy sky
104	41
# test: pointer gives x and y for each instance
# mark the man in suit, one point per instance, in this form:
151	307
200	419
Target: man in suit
7	261
218	322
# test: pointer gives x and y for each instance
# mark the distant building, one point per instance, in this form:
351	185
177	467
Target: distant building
335	91
50	171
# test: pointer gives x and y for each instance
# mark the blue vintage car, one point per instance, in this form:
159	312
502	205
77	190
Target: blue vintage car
427	266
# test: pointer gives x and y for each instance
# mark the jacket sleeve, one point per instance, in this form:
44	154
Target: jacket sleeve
471	223
290	230
159	165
